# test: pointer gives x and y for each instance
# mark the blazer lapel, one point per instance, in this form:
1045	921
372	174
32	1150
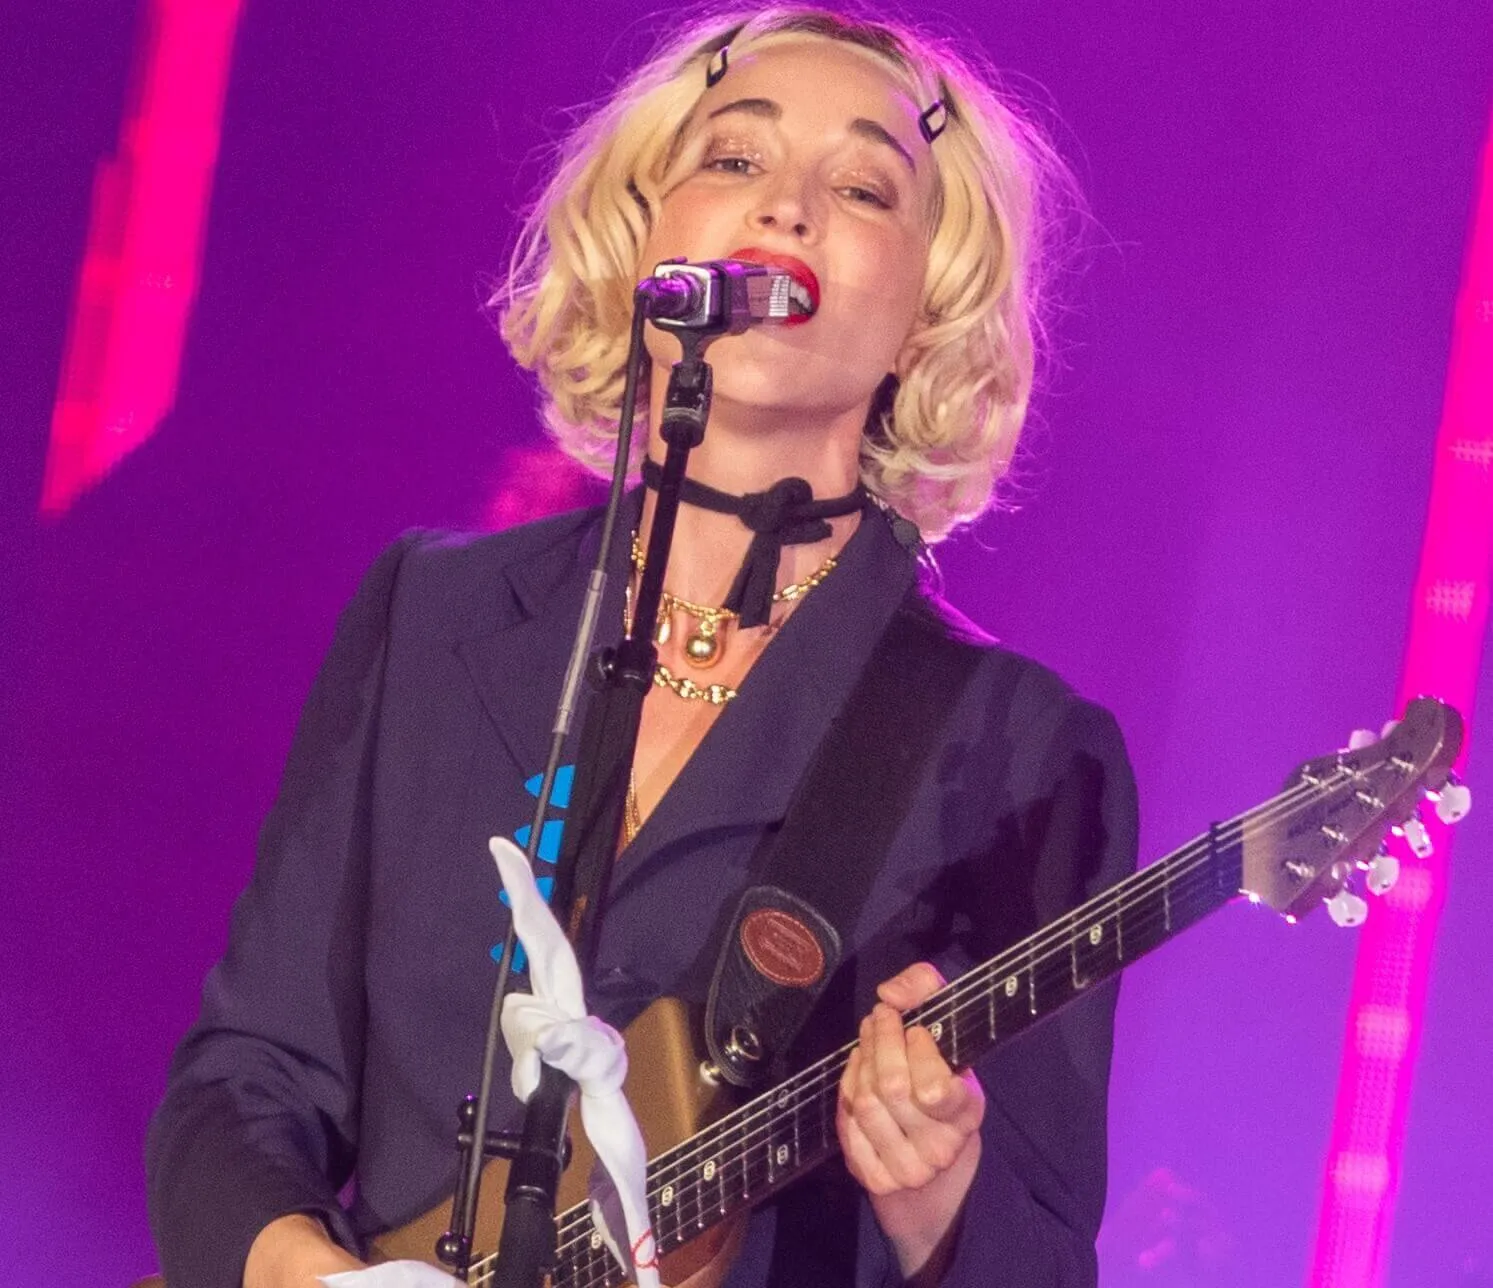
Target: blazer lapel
518	666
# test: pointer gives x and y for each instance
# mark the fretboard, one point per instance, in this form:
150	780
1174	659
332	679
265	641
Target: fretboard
784	1133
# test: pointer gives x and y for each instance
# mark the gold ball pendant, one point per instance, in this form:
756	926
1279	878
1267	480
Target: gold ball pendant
702	648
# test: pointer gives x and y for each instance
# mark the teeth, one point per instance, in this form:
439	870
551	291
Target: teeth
798	293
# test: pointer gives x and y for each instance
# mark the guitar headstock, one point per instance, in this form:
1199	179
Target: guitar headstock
1335	812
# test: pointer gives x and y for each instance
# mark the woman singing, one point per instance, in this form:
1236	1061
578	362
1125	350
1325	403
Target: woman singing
908	204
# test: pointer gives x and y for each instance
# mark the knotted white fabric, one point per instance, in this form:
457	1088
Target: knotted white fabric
393	1274
550	1026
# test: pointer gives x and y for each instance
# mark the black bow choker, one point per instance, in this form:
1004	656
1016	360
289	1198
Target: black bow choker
785	515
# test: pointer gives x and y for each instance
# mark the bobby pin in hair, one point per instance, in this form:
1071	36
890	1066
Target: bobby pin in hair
717	66
933	120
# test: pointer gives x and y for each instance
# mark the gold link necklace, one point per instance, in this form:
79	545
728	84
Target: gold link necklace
702	646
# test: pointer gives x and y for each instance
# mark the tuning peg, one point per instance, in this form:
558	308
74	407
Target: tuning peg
1361	738
1381	872
1389	727
1453	801
1347	909
1417	836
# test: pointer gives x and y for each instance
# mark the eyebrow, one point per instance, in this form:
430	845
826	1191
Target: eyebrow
866	129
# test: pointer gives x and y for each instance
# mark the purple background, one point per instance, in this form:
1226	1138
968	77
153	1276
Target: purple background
1221	514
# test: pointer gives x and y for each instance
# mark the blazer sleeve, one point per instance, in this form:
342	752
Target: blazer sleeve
260	1116
1033	1213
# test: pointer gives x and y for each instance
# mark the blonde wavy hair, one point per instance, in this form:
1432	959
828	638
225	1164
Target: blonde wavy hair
943	428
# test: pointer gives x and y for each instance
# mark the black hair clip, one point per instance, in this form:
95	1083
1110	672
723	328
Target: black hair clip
717	68
934	120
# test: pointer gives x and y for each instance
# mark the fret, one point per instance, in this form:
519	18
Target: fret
1145	916
1013	1011
734	1177
711	1180
1193	894
691	1194
665	1214
1093	948
596	1260
793	1121
940	1028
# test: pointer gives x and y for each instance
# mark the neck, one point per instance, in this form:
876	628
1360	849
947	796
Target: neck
748	450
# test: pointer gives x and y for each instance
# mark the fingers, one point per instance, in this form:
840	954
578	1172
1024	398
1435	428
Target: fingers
904	1115
911	987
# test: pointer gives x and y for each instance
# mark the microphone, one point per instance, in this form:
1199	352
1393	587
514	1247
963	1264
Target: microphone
722	296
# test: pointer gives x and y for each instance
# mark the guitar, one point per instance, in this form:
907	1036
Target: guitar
1301	847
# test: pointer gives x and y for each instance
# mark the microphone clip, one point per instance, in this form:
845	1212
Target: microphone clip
716	297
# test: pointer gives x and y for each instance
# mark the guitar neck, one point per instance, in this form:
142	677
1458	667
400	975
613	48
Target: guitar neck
784	1133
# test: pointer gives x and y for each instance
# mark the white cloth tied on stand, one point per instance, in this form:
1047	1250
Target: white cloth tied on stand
393	1274
550	1026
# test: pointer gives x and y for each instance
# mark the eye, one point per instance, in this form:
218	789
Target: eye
866	196
731	156
729	164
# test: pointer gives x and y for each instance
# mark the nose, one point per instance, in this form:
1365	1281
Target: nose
787	206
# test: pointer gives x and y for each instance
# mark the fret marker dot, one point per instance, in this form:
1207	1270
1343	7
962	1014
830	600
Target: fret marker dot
1011	986
1096	933
709	1170
667	1197
782	1155
936	1029
595	1239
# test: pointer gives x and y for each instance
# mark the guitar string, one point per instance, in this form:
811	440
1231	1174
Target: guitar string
802	1093
1129	892
955	1001
953	1004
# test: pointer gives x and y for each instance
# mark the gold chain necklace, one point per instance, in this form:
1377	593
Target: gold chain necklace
702	646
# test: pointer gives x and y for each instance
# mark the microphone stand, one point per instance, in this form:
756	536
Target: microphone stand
622	677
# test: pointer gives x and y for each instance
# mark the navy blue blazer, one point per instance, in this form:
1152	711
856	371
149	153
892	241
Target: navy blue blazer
346	1018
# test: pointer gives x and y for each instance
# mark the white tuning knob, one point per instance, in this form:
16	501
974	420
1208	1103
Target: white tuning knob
1389	727
1383	872
1455	801
1347	909
1360	738
1418	837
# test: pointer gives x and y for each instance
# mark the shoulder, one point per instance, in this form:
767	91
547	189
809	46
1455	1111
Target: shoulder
463	582
1019	720
1004	678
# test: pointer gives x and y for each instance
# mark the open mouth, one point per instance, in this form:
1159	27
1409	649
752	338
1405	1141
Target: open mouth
803	290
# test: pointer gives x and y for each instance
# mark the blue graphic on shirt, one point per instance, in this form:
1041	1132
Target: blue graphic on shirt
548	852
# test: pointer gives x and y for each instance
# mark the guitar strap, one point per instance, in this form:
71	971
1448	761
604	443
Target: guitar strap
786	938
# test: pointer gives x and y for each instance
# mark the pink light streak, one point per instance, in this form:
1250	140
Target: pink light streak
1448	619
138	279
